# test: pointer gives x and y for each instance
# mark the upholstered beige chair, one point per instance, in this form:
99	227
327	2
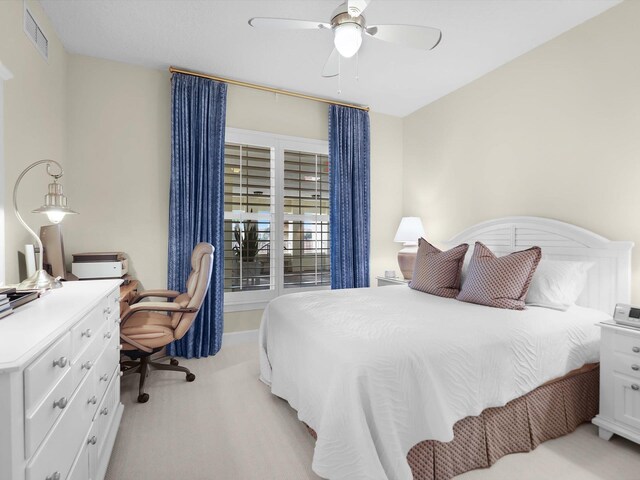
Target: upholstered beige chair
147	327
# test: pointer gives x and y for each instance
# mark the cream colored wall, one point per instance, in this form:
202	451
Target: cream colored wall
34	120
554	133
119	154
386	192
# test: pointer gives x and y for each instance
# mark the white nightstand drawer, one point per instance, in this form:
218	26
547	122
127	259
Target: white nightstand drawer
43	373
386	281
38	423
627	365
626	408
628	343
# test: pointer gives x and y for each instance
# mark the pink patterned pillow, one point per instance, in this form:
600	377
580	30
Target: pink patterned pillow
500	282
437	272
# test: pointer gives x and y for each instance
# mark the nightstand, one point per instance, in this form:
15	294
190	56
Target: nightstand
619	382
385	282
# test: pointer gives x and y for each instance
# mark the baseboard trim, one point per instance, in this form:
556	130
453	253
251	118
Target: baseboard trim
237	338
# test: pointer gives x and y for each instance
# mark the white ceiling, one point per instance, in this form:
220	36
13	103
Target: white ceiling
214	37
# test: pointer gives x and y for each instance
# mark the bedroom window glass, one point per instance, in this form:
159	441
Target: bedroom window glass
276	223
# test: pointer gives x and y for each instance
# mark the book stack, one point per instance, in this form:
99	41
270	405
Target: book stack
5	306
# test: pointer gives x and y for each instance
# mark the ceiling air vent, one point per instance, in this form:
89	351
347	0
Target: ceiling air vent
34	32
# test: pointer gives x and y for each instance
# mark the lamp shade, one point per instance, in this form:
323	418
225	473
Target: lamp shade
55	204
347	37
409	231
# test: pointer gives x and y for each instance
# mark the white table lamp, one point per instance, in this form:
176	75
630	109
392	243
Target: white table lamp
55	207
409	231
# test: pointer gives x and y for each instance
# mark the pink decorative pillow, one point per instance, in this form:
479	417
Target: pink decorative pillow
500	282
437	272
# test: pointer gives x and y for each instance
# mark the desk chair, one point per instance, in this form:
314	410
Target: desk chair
147	327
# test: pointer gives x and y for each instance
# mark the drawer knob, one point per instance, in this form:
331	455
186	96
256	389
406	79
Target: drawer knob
61	404
107	335
61	362
104	378
104	411
93	400
636	349
635	367
87	365
92	441
54	476
86	333
635	386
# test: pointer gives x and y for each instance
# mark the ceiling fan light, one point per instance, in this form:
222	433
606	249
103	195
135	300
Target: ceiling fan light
347	37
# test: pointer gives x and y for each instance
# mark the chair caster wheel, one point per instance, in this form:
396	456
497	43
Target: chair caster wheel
173	362
144	398
190	377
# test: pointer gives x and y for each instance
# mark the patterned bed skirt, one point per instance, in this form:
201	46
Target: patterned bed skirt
550	411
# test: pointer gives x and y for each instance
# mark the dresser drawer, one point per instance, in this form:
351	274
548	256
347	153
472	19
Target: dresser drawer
38	423
80	468
627	343
104	417
113	304
83	333
63	443
46	371
108	361
86	362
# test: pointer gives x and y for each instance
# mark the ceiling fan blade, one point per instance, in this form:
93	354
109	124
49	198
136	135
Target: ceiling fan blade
287	24
413	36
356	7
332	66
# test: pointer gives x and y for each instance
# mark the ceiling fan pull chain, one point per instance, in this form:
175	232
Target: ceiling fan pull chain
357	66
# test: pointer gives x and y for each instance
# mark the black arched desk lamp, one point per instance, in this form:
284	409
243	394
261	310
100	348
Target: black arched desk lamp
55	207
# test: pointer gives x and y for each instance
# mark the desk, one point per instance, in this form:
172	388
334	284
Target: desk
128	293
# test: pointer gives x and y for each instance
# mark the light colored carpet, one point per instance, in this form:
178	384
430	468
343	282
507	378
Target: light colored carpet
226	426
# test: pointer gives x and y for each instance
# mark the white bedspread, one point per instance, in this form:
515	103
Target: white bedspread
376	370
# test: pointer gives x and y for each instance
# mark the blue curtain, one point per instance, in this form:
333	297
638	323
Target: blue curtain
196	204
349	194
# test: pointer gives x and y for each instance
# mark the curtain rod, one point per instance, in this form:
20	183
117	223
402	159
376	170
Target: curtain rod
267	89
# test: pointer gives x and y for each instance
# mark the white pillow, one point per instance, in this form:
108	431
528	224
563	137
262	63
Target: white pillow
557	284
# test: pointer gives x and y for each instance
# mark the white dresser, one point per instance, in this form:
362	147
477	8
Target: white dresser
60	384
619	382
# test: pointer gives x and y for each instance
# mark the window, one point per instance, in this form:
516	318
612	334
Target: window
276	217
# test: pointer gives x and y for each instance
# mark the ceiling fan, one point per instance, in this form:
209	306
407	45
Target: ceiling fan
348	26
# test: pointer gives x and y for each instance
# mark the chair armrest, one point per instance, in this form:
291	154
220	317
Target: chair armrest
165	307
155	293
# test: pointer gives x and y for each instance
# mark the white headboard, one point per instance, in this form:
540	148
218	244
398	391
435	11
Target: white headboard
609	281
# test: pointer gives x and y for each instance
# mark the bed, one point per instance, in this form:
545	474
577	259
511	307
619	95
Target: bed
398	384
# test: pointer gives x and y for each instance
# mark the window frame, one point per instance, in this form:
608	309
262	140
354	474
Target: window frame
257	299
